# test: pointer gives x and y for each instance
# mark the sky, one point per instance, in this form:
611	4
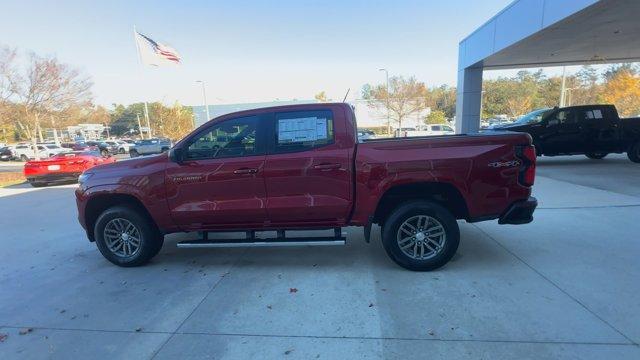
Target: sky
247	51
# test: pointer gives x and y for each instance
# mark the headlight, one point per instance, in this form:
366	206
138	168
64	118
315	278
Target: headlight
84	177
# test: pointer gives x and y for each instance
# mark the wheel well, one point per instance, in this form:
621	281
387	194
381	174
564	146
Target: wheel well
98	204
442	193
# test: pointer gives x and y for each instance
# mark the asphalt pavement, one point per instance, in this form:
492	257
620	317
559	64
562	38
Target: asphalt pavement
563	287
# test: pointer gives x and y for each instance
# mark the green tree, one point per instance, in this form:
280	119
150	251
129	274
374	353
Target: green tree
436	117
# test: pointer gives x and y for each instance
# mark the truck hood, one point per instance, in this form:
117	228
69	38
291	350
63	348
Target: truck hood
129	171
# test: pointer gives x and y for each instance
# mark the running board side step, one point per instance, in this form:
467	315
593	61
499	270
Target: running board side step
238	243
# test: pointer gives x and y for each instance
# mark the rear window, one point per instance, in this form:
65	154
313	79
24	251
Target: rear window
303	130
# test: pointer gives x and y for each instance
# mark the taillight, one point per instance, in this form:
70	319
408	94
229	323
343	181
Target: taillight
527	174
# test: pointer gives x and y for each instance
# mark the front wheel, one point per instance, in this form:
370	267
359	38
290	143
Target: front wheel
127	238
24	158
596	156
421	235
634	152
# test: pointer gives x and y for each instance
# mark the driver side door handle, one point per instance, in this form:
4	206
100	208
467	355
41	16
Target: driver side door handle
327	166
245	171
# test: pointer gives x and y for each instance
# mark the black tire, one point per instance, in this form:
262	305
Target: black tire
37	184
104	153
24	158
634	152
409	210
133	153
121	151
151	240
596	156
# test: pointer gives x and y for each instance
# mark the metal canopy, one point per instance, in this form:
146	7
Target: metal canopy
606	32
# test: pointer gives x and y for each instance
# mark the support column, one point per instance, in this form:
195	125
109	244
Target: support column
469	100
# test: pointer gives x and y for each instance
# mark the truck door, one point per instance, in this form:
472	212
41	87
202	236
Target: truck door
602	127
308	173
220	183
563	133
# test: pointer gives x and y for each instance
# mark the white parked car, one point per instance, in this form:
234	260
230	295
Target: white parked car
440	129
150	146
124	146
366	134
431	130
25	152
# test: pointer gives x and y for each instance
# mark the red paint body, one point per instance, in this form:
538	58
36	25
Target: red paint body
335	185
65	166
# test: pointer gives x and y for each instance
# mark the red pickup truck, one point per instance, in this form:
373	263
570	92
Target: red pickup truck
301	167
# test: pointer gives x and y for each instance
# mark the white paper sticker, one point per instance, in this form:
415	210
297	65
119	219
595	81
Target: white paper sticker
302	129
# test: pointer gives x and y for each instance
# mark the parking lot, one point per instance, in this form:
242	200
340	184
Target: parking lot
565	286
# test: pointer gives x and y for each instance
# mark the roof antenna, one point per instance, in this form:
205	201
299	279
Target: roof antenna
345	95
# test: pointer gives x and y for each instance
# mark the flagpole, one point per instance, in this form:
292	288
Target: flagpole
146	106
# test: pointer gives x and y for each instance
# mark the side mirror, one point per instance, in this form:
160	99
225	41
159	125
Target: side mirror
177	155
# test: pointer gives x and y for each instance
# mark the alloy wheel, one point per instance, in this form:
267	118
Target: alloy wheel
421	237
122	237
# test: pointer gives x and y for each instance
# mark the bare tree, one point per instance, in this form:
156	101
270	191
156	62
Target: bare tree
48	86
405	97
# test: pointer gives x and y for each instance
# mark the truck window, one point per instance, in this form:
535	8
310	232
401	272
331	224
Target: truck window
230	138
564	117
593	114
303	130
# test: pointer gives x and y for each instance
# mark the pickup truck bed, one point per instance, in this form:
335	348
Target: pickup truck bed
301	167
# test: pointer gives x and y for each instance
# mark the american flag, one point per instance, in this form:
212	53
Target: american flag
155	53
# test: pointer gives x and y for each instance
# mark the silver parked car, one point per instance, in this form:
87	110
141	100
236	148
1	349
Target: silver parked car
150	146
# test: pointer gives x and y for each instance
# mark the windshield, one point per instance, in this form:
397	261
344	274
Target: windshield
532	117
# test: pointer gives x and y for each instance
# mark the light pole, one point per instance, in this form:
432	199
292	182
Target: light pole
204	98
568	96
563	85
388	116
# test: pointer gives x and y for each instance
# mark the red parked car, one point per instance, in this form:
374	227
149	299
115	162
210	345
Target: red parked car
63	167
302	167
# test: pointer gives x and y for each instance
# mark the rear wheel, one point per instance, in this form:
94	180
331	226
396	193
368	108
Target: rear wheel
634	152
596	155
37	184
133	153
24	158
421	235
127	238
104	153
121	151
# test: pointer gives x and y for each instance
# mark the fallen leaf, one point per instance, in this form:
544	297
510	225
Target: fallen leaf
25	331
138	329
288	352
3	337
431	332
269	307
63	311
370	304
293	290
